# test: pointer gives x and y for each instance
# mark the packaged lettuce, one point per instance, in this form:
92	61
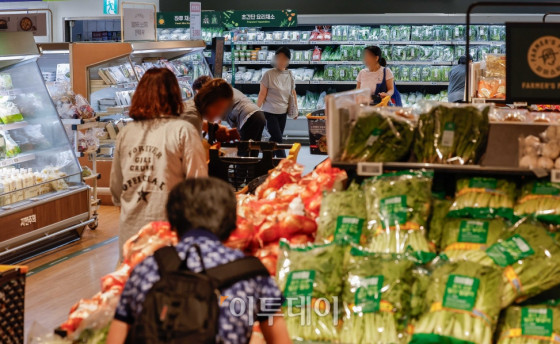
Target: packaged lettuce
375	297
459	32
420	285
473	51
343	216
330	73
384	33
396	72
483	33
416	33
309	275
463	307
468	239
426	73
473	33
437	54
529	259
374	34
440	208
447	33
411	53
427	33
483	198
538	324
452	134
398	206
342	73
494	32
425	53
378	136
460	50
347	52
438	33
11	147
448	53
387	51
435	73
416	73
358	52
9	112
540	199
405	73
399	53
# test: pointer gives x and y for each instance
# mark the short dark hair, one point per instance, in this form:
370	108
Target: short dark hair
202	203
285	51
158	94
200	81
211	92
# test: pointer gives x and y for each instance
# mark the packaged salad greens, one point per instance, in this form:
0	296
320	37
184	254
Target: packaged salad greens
426	74
483	33
468	239
427	33
438	33
398	206
330	73
447	33
538	324
494	33
459	32
343	216
309	275
387	51
411	52
342	72
374	34
529	259
452	134
404	73
416	33
440	208
378	136
448	53
9	112
384	33
483	198
420	285
473	33
463	307
540	199
375	297
415	73
399	53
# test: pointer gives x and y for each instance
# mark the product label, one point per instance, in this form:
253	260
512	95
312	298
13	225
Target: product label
368	295
485	183
536	321
460	292
394	209
509	251
473	231
299	287
349	227
546	188
373	136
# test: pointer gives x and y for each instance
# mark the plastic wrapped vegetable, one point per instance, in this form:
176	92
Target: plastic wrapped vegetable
463	305
398	206
541	199
420	285
376	297
399	53
343	216
378	136
468	239
330	73
452	134
440	208
459	32
384	33
538	324
405	73
426	74
416	73
530	260
483	198
308	275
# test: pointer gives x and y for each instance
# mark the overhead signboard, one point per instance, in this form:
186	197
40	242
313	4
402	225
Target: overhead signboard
174	20
36	23
111	7
139	24
533	63
271	18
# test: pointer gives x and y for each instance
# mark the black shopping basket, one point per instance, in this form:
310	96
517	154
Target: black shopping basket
240	171
12	296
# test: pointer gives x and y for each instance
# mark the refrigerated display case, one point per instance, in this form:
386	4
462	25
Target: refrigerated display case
43	201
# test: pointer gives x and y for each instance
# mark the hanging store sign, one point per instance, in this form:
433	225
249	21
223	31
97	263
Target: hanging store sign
196	22
272	18
176	20
533	63
139	24
36	23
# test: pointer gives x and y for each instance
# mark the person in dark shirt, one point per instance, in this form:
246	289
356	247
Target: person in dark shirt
456	88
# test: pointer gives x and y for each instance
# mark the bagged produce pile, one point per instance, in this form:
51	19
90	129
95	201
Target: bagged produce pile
398	207
541	199
440	208
463	305
483	198
530	325
468	239
378	136
529	259
343	216
89	319
452	135
308	276
376	297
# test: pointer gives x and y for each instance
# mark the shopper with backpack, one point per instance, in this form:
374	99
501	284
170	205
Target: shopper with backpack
200	291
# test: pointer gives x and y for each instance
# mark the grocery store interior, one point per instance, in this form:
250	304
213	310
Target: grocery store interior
394	166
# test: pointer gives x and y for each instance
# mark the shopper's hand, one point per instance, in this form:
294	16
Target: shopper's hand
383	95
223	134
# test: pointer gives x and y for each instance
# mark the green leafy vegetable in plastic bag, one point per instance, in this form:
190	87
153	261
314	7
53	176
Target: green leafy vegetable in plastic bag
467	239
440	208
529	325
540	199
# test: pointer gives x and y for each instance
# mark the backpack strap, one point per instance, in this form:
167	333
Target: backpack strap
167	259
238	270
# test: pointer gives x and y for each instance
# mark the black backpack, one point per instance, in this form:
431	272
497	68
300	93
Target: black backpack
182	307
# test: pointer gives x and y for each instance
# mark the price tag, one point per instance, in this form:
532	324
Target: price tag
369	169
555	176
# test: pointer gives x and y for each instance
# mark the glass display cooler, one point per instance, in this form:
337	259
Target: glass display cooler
43	201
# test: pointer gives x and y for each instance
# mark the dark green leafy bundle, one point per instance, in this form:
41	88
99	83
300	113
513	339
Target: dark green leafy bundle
452	135
529	258
421	278
398	206
307	273
540	199
468	239
343	216
530	325
440	208
484	198
463	304
376	297
378	137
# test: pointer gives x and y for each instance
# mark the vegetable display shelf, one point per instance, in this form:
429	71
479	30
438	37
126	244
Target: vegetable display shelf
312	63
327	42
43	201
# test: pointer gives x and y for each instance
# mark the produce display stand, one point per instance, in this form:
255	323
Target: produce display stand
87	61
54	211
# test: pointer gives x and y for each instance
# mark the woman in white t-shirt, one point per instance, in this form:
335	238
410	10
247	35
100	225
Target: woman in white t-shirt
377	77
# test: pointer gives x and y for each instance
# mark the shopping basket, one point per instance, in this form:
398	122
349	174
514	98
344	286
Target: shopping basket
12	296
239	171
